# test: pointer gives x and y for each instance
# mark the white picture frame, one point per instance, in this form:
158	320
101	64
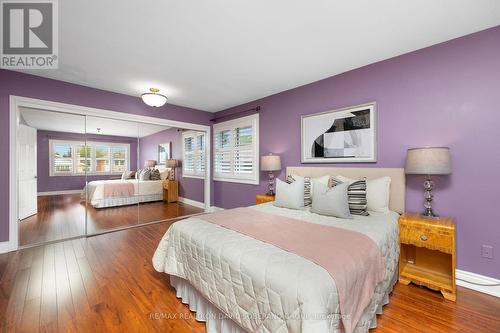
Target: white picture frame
325	139
164	152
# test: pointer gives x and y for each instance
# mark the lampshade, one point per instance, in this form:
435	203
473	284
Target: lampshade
270	163
150	163
172	163
153	98
428	161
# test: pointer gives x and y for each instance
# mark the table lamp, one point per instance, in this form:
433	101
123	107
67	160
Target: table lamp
270	163
150	164
172	163
428	161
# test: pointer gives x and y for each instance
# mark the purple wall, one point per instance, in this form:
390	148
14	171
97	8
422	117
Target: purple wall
189	188
63	183
19	84
445	95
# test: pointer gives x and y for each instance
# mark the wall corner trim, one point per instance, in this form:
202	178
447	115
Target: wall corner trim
476	278
61	193
195	203
5	247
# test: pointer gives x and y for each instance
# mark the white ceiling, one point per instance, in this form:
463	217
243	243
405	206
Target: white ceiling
211	55
69	123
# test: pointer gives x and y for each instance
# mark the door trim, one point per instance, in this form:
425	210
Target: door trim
16	102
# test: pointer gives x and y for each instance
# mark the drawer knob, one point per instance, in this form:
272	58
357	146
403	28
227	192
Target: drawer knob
424	237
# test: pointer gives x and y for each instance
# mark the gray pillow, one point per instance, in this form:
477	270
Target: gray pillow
331	201
144	174
290	195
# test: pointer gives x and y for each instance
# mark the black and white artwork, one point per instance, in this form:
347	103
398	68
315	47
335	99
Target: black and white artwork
340	136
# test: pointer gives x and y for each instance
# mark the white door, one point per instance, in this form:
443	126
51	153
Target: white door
27	171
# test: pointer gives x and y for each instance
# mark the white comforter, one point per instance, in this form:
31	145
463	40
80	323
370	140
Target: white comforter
141	187
264	288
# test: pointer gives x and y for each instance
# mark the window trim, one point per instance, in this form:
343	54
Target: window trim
193	134
252	120
93	144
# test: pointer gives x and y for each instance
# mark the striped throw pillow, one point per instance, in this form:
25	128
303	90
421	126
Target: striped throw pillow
155	174
307	188
356	194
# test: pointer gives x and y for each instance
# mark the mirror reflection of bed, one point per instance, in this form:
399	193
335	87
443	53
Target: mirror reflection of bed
97	174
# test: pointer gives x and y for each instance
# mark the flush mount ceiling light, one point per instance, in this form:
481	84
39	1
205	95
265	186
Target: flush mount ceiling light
154	99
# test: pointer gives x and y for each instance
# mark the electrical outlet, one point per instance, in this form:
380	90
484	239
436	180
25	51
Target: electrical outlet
487	251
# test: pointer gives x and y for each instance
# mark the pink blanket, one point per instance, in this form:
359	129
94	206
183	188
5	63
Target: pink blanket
353	260
118	189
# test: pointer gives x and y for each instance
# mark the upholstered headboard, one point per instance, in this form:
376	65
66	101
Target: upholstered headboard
397	198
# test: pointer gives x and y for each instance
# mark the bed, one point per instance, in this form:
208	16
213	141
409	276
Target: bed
129	192
237	284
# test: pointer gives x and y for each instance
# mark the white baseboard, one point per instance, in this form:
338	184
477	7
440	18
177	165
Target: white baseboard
60	192
195	203
476	278
5	247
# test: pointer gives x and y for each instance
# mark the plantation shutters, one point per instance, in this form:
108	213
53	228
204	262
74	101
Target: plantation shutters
193	159
236	145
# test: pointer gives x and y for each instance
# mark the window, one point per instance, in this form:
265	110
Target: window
236	157
193	154
70	158
63	158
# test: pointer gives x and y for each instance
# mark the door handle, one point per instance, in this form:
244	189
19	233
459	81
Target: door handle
36	177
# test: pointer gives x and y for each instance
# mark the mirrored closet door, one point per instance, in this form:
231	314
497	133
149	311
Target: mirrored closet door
165	193
52	171
112	183
87	175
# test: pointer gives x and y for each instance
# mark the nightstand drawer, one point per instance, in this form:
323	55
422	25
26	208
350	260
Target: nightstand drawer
430	238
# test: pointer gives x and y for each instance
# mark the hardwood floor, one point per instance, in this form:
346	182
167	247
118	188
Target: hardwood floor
63	216
106	283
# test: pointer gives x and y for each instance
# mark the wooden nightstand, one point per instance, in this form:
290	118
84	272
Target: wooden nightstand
170	190
427	255
261	198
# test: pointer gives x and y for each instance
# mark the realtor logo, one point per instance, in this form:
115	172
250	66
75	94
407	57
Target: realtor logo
29	34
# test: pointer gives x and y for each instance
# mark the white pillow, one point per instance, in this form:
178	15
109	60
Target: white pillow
164	173
378	192
290	195
325	180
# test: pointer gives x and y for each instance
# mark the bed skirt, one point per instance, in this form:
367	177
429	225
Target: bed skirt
124	201
217	322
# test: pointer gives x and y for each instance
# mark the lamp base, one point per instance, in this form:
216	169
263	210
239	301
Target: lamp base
429	214
428	185
270	184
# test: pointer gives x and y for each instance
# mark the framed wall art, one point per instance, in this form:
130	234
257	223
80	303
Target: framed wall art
346	135
164	152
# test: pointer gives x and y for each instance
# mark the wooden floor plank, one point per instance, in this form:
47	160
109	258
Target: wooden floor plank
48	306
36	274
11	315
106	283
65	311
